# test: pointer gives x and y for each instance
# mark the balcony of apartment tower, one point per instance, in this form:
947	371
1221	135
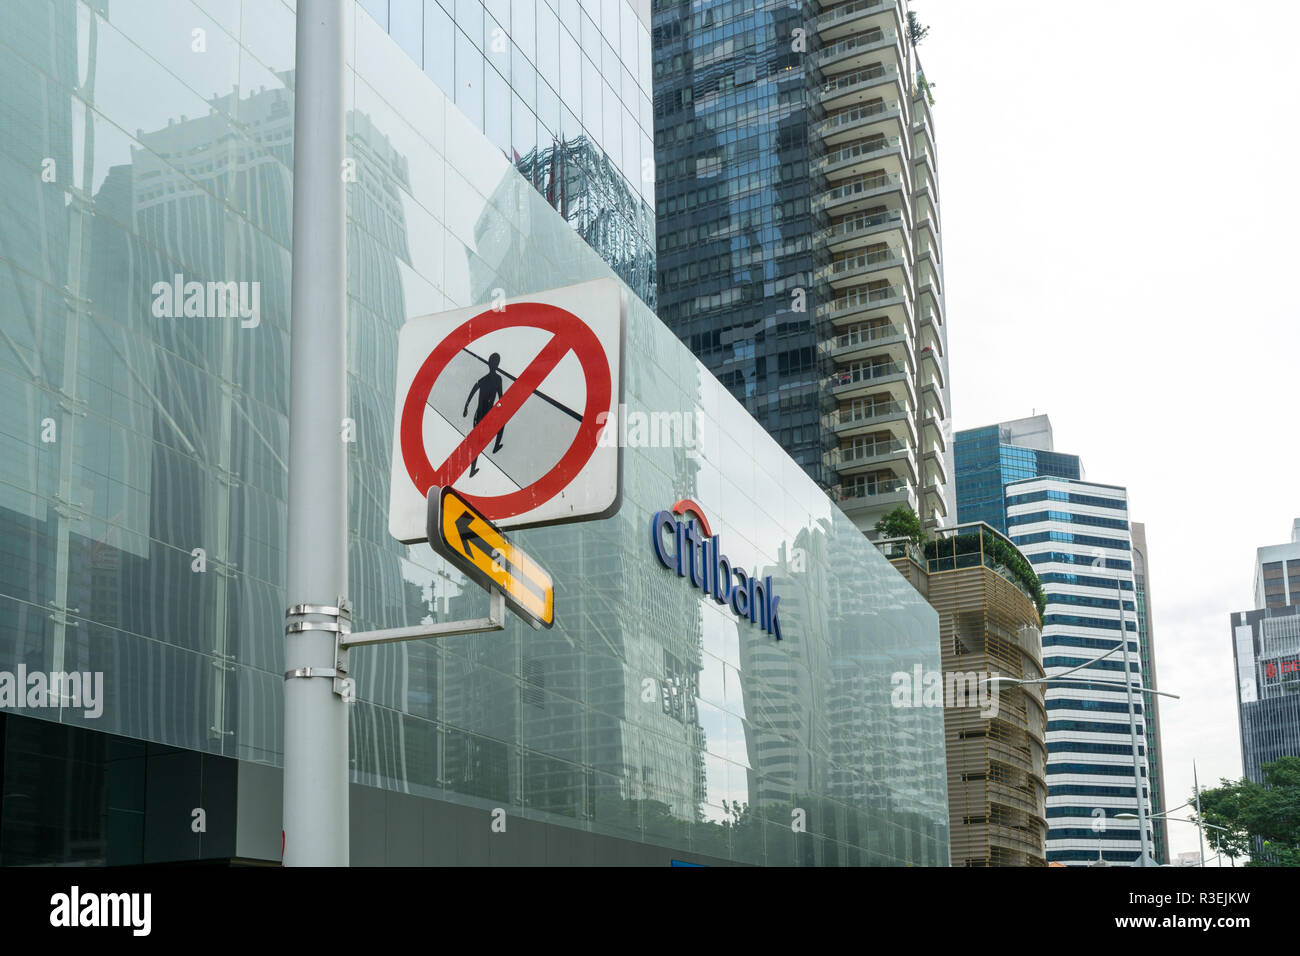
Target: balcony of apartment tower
864	211
862	135
879	377
927	331
861	48
861	417
856	87
868	339
927	226
863	173
875	261
924	152
845	20
932	462
874	299
866	498
874	452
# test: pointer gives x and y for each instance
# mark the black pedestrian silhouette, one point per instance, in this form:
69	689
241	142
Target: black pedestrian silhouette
489	389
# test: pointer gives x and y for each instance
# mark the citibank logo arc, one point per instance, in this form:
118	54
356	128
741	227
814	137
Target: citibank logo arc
694	551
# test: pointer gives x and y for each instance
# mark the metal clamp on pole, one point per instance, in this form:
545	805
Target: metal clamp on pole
341	627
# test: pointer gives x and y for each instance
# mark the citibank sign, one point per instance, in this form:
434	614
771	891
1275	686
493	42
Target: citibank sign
693	550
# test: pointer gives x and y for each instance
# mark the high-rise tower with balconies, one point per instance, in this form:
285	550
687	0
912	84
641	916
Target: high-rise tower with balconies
799	236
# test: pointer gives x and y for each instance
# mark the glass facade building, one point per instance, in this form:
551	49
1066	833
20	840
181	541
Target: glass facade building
1266	652
143	487
562	88
1266	649
799	236
988	458
735	218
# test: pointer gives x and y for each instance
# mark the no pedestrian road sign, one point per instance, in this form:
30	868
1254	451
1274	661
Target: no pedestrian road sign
477	547
506	404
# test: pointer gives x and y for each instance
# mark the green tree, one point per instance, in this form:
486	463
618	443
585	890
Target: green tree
1268	812
902	522
915	30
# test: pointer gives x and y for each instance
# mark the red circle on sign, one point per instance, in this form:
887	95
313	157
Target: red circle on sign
569	330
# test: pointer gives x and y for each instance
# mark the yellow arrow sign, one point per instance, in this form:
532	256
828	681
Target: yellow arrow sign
483	552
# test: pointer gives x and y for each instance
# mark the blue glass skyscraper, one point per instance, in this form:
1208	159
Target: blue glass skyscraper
735	220
988	458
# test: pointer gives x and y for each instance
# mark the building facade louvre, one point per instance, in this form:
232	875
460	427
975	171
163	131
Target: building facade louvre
989	627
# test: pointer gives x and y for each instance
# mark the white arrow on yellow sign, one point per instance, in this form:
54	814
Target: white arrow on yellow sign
475	545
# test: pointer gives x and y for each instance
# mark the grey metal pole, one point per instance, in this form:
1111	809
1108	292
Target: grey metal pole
1133	734
1200	823
315	718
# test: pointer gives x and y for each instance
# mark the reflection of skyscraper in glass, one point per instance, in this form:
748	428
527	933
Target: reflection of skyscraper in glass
149	535
563	92
997	755
214	475
160	230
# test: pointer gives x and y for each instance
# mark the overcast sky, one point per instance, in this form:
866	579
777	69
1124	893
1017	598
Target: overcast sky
1118	204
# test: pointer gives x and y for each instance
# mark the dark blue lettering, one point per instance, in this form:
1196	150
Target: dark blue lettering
721	572
694	539
658	522
739	592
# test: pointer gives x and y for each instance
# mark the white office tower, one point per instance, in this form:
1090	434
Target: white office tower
1277	572
1076	535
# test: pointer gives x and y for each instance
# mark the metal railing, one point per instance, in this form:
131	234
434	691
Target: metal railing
866	413
860	150
867	450
865	373
973	544
875	38
859	223
862	297
851	10
867	489
901	548
857	78
865	336
853	116
864	185
864	259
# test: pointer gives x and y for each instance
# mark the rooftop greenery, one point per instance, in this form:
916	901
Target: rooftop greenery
997	551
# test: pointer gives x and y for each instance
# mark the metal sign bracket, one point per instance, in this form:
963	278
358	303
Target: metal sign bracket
495	621
345	639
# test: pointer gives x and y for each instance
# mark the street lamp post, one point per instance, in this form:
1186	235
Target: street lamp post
1144	852
1062	678
1201	826
1200	831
